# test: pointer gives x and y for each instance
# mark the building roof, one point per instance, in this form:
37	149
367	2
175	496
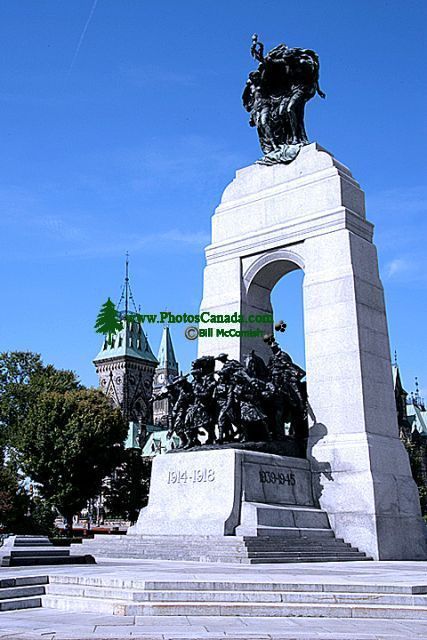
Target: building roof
158	442
166	355
130	341
397	381
132	439
419	418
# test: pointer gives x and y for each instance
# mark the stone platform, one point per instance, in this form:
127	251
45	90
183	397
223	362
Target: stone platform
229	505
228	492
168	600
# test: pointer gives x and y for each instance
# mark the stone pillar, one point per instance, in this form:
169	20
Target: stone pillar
366	484
310	215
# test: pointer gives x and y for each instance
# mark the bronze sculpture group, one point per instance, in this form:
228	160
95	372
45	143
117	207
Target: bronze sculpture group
252	402
239	403
275	96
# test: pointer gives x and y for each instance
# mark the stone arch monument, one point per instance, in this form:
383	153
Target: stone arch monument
310	214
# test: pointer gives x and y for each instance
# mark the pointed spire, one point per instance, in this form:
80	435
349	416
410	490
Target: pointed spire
166	355
127	284
131	340
126	296
395	358
416	397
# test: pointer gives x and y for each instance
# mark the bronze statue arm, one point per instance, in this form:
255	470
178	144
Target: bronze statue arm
319	90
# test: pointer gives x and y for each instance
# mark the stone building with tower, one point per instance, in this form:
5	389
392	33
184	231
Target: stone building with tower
166	371
128	372
125	370
412	421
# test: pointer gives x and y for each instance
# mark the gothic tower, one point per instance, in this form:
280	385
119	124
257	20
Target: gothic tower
126	366
166	371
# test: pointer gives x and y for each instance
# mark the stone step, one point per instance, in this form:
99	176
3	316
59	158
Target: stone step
194	585
230	539
293	532
32	542
235	596
27	561
289	542
247	609
97	605
312	559
277	540
254	558
249	557
37	545
20	603
41	553
31	539
21	592
245	553
229	586
6	583
314	546
143	551
178	539
328	543
306	553
224	542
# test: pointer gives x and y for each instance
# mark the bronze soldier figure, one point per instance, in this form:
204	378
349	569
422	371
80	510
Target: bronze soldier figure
275	95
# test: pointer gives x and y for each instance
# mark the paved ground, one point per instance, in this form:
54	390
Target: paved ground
55	625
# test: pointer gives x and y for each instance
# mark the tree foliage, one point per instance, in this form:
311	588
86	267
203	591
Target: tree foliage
127	490
69	442
21	512
8	492
23	376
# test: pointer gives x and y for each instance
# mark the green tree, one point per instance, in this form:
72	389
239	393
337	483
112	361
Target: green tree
23	376
14	502
127	490
69	443
8	492
108	321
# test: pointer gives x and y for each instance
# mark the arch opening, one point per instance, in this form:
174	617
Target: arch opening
287	305
274	285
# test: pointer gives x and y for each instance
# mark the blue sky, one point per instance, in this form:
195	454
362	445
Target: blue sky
121	134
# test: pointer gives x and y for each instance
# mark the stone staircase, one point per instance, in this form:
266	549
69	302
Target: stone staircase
243	550
22	593
37	550
229	598
284	534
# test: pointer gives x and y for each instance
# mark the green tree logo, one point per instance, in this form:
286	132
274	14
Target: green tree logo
108	321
